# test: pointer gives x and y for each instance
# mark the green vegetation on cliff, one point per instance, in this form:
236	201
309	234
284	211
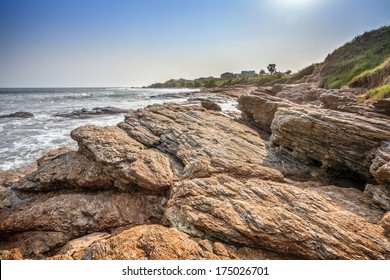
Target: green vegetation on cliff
363	53
218	82
378	93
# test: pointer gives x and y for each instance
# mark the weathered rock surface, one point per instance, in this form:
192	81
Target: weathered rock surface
107	158
301	93
57	218
85	113
379	194
385	223
259	108
380	167
338	141
223	145
274	216
22	115
13	254
155	242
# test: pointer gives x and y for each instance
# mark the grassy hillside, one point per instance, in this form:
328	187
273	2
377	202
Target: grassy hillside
363	53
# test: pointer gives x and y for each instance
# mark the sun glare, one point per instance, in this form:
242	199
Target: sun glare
295	2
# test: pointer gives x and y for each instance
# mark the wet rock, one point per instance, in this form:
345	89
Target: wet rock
98	111
210	105
22	115
274	216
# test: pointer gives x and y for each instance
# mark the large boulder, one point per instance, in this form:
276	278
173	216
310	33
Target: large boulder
259	108
273	216
206	142
55	218
337	141
107	158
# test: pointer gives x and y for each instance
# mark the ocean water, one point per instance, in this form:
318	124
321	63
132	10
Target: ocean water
22	141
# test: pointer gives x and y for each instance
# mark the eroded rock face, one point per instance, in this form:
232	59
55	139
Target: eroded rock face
223	145
278	217
57	218
337	141
107	158
379	194
385	223
259	108
22	115
380	167
155	242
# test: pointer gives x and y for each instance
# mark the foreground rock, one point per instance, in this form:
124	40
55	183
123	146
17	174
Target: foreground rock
337	141
264	214
207	142
107	158
155	242
228	192
55	218
22	115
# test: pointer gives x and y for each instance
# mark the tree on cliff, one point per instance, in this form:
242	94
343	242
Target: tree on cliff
271	68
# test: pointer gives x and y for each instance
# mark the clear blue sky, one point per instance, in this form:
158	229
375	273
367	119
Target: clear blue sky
49	43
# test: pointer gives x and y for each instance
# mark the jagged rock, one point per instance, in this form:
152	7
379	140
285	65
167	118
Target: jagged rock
210	105
259	108
56	218
33	244
274	216
23	115
107	158
75	245
339	141
385	223
223	145
301	93
379	195
342	100
85	113
12	254
380	167
155	242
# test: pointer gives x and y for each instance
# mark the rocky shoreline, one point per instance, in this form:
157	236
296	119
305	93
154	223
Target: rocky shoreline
303	173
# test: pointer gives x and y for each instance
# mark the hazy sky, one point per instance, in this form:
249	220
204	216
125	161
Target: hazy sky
53	43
